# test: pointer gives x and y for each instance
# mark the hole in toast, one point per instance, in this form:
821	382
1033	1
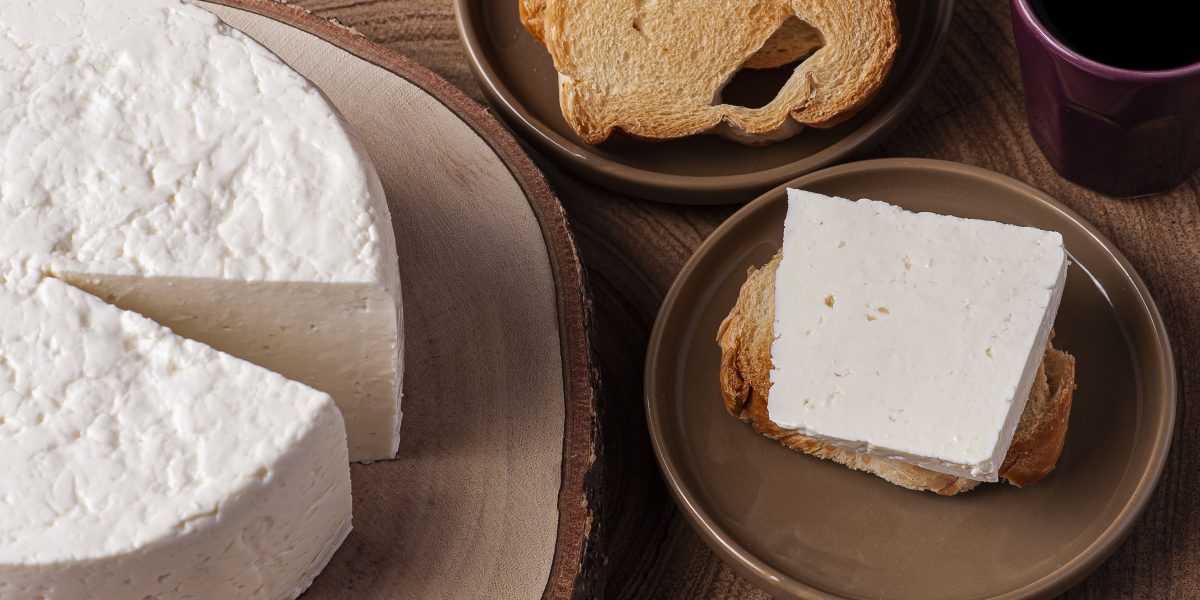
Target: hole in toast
764	73
756	88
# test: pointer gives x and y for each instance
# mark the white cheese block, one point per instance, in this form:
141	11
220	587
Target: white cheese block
153	156
911	336
137	464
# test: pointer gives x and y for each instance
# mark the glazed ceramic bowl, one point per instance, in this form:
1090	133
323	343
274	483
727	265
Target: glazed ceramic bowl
806	528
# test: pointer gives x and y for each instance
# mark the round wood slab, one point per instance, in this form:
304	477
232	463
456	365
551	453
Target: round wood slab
489	497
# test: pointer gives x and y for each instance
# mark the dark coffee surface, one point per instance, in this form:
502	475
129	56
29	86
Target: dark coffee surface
1142	36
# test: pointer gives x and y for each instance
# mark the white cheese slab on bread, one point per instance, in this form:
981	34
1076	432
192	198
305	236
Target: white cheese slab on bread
911	336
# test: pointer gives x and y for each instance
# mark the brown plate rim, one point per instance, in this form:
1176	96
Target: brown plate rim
686	189
753	567
575	523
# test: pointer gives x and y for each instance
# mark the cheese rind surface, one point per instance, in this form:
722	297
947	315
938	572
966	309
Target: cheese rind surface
152	155
137	464
912	336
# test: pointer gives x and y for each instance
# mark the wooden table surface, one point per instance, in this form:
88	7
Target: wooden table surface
972	112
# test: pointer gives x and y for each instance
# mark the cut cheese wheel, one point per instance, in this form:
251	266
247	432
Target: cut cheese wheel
168	164
137	464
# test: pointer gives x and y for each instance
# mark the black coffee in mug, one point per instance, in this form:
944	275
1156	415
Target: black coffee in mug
1142	36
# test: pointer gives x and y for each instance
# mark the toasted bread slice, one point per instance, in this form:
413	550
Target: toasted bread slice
745	338
654	69
793	41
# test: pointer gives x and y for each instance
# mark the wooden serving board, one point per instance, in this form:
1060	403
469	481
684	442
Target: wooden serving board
489	497
972	112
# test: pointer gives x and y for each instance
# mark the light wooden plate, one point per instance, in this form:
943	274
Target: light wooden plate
489	497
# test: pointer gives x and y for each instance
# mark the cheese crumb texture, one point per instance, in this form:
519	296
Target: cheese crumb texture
157	158
137	464
958	314
145	137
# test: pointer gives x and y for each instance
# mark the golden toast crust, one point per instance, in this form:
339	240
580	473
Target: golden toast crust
653	70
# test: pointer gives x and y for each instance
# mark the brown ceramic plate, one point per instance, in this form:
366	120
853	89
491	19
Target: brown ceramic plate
806	528
518	77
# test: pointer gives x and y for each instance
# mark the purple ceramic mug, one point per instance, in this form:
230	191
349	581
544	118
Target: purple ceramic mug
1120	132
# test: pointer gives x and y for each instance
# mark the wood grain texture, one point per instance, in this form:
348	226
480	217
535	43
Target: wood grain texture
972	112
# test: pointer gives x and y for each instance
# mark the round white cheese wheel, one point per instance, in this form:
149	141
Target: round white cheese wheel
136	464
155	157
159	168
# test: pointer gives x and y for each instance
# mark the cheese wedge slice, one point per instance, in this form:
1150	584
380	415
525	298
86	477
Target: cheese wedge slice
137	464
155	157
911	336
